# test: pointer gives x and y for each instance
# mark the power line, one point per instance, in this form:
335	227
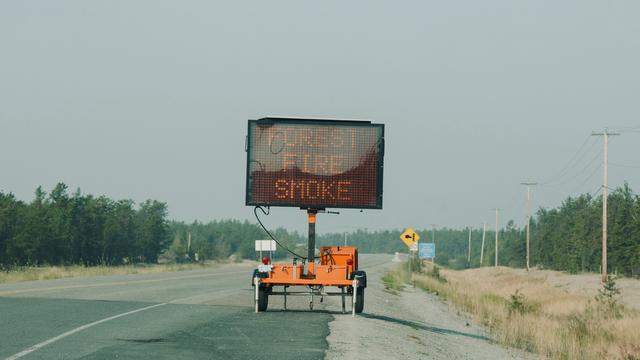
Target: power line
591	175
612	189
625	165
266	212
588	167
634	128
573	161
595	192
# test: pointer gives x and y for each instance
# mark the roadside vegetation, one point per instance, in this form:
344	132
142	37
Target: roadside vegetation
27	273
564	238
401	274
63	229
396	279
527	313
58	230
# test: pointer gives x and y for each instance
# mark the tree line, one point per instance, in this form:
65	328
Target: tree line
569	237
566	238
59	229
224	239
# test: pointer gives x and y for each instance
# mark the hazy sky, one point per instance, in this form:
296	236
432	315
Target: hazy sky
150	99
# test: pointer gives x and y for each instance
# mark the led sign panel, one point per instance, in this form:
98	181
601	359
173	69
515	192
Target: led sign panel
314	163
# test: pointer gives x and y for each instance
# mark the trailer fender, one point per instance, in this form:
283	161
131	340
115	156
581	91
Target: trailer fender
362	278
258	274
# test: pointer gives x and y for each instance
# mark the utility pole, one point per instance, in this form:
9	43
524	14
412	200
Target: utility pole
497	220
528	185
605	196
345	238
433	240
469	249
484	235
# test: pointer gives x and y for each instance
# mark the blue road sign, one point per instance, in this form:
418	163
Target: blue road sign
427	250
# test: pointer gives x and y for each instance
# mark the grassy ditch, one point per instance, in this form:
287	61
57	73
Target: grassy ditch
530	314
395	280
31	273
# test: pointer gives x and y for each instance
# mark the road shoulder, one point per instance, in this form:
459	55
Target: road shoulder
410	324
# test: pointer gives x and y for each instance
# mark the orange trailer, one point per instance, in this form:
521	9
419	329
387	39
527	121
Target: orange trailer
337	266
313	164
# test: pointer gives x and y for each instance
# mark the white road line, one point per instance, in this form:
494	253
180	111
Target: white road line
78	329
84	327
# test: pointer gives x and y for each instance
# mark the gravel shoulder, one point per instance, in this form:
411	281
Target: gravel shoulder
410	324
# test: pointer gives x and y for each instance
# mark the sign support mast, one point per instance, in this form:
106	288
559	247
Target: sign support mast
311	251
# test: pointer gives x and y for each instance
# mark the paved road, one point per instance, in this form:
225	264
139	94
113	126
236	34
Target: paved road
208	314
192	314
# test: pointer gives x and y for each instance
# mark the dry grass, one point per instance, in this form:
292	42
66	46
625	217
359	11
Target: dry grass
19	274
395	280
526	312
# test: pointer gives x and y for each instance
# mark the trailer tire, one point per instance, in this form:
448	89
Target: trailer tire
362	277
263	298
359	299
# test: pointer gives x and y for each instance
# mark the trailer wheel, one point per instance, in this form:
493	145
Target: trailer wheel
359	299
263	298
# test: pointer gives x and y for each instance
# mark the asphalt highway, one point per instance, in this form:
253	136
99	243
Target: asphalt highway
202	314
208	314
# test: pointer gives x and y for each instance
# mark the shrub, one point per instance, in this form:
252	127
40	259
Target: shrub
608	298
435	273
519	304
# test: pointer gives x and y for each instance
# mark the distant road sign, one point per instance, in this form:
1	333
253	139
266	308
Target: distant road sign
409	237
265	245
427	250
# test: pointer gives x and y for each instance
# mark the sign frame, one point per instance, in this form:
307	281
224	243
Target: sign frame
324	122
425	249
270	245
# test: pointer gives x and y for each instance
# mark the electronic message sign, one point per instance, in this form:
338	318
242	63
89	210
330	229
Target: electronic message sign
314	164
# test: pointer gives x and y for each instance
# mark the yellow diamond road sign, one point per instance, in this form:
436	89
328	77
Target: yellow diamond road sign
410	237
